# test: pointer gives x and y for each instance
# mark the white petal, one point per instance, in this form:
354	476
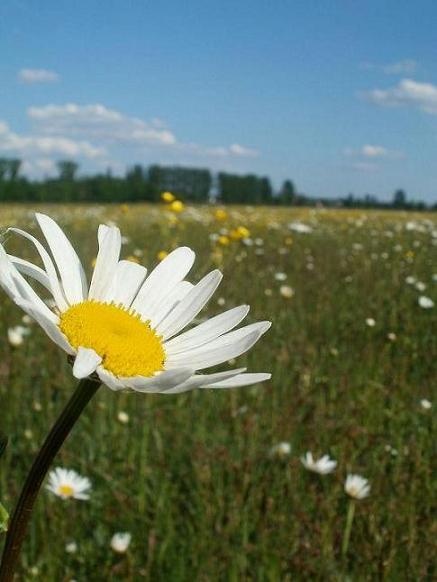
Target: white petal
162	279
31	270
6	280
201	380
241	380
55	286
207	331
159	383
85	363
207	356
106	262
127	279
259	327
169	302
110	380
68	263
18	288
51	329
190	305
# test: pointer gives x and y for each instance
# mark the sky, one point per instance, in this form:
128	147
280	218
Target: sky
338	96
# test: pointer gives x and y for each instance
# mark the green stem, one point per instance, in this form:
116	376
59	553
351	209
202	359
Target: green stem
347	531
85	390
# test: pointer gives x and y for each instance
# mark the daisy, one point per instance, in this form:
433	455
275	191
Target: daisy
67	484
357	487
17	334
281	450
286	291
125	327
120	542
323	466
425	302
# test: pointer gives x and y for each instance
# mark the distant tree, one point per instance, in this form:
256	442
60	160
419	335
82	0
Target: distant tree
192	184
399	199
287	194
67	170
266	191
4	168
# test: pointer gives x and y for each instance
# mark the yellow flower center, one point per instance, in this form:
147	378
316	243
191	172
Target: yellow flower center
127	345
66	490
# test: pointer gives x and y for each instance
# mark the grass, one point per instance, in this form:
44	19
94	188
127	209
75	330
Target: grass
190	476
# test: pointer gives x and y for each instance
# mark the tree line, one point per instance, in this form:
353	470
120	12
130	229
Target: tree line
146	184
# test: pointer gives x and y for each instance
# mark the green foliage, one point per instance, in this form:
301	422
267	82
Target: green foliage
190	476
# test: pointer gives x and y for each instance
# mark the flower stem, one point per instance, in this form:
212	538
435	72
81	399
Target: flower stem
348	529
85	390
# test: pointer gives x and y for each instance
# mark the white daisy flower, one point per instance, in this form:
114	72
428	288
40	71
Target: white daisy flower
357	487
124	326
71	547
280	450
323	466
300	227
123	417
67	484
370	322
425	404
17	334
425	302
286	291
120	542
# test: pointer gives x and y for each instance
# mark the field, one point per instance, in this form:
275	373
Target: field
193	477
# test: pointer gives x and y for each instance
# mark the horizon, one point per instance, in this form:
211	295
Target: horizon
336	98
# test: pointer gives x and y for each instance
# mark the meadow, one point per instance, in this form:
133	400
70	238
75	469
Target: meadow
197	479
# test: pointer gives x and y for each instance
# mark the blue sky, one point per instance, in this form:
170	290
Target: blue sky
338	96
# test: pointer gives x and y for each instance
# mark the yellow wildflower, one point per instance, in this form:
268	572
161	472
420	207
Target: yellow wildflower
220	214
177	206
223	240
168	197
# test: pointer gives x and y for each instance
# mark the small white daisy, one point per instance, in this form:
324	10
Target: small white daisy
120	542
280	450
68	484
125	327
357	487
286	291
17	334
425	302
370	322
425	404
123	417
300	227
71	547
323	466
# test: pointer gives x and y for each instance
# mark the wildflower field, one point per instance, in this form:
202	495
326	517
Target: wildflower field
210	484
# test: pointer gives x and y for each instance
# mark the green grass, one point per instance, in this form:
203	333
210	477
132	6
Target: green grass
190	476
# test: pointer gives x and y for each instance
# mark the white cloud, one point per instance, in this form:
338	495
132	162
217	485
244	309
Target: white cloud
407	92
31	76
403	67
100	124
46	145
95	134
372	152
